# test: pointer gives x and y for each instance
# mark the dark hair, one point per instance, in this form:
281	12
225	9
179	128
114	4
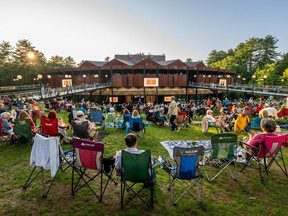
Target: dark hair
130	140
269	125
52	114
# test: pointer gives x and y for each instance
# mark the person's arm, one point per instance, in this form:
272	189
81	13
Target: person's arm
255	140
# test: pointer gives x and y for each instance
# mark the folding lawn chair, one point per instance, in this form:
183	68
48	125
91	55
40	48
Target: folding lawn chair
22	130
110	121
45	154
186	169
80	129
136	126
206	125
269	148
88	155
136	169
49	126
222	155
97	117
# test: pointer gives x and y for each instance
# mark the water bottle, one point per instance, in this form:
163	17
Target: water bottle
160	161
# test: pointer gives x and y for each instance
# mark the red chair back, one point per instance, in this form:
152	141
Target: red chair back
89	154
270	146
1	122
49	126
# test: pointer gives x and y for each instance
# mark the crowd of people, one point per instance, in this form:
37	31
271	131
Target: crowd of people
232	115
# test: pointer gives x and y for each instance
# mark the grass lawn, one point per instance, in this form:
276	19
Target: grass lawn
246	196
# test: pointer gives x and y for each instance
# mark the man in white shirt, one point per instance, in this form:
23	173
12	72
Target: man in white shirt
272	112
173	112
131	147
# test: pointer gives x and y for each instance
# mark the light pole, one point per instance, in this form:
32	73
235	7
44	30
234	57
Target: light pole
253	81
264	78
19	77
244	79
84	77
239	76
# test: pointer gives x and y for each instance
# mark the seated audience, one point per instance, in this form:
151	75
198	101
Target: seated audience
7	127
83	128
131	147
243	121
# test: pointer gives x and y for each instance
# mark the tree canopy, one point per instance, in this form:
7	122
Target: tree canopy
25	60
255	56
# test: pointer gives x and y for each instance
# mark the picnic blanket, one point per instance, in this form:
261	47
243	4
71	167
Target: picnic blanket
169	145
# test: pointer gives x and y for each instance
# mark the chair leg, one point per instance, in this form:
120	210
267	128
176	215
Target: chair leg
122	195
28	182
101	186
151	195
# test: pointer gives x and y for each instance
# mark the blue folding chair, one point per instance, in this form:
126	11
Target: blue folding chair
97	117
136	126
186	169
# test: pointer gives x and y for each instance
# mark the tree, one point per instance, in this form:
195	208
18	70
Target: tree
267	53
282	64
107	59
6	51
189	60
69	62
216	56
56	62
267	75
284	78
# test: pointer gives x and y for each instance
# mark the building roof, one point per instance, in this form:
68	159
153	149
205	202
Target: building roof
165	63
97	63
193	64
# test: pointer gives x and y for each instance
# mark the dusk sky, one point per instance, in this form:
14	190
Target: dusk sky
92	29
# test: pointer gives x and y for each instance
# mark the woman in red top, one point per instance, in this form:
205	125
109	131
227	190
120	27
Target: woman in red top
50	124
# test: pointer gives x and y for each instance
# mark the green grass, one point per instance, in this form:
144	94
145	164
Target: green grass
246	196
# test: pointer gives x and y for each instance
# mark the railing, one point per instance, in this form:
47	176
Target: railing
281	91
44	93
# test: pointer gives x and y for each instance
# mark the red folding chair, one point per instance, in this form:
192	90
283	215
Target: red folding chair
268	149
88	155
49	126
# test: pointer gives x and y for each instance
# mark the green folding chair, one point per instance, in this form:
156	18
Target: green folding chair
222	156
136	169
23	129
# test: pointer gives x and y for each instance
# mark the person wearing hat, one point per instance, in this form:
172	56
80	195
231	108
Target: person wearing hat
111	117
83	128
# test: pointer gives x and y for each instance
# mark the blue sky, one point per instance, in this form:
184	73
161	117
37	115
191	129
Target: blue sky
92	29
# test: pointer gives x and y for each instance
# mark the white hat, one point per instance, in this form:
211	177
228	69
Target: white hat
79	113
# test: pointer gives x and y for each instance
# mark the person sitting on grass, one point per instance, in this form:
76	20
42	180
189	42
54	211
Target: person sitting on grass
83	128
134	117
2	108
131	147
243	121
111	118
209	119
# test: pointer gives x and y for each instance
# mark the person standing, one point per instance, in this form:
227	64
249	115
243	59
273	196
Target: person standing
173	112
